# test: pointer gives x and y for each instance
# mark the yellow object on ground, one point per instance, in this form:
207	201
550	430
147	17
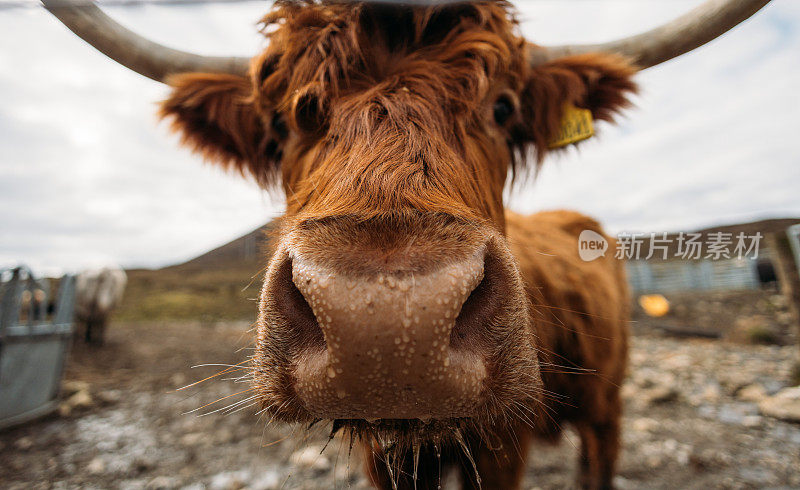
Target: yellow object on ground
655	305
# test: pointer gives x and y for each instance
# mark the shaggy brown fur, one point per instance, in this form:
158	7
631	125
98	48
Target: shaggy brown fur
376	115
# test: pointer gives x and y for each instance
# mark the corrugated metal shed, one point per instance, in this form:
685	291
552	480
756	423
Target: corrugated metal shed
703	273
670	276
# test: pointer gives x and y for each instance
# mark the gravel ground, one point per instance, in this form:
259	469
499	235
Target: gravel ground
692	421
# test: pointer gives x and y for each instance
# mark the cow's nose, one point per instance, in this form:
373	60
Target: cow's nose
390	348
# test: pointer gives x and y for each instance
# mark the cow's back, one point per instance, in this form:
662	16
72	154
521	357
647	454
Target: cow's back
580	311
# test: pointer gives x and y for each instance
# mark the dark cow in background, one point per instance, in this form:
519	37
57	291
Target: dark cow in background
97	293
404	303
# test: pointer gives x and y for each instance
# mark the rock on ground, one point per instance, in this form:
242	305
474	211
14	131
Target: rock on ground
784	405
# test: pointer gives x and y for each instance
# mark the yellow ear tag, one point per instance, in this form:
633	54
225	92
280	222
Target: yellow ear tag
576	125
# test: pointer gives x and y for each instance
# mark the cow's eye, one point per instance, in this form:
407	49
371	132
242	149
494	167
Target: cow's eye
279	126
267	68
310	114
503	110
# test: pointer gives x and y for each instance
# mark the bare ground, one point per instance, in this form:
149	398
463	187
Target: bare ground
691	421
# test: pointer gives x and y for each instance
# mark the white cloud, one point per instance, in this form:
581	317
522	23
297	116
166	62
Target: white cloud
87	175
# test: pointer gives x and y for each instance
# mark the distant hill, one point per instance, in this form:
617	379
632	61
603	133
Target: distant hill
764	226
223	283
249	249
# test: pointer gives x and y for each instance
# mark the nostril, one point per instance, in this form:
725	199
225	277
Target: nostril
479	309
295	310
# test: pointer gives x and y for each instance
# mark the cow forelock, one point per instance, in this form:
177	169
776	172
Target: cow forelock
390	106
398	165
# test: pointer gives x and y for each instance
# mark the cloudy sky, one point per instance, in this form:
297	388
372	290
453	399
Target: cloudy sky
88	175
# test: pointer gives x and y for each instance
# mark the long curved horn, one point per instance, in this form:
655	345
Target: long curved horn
689	31
129	49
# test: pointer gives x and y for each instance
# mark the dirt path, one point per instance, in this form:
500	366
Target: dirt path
691	422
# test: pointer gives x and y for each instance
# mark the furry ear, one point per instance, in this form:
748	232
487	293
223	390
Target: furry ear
599	82
216	117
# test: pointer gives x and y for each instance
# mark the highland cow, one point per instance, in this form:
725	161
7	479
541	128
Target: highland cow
97	293
404	303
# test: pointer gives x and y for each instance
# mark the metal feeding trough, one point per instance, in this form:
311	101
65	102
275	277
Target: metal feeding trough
35	333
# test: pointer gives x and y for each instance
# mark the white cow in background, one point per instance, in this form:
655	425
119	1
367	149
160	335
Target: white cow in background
98	292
